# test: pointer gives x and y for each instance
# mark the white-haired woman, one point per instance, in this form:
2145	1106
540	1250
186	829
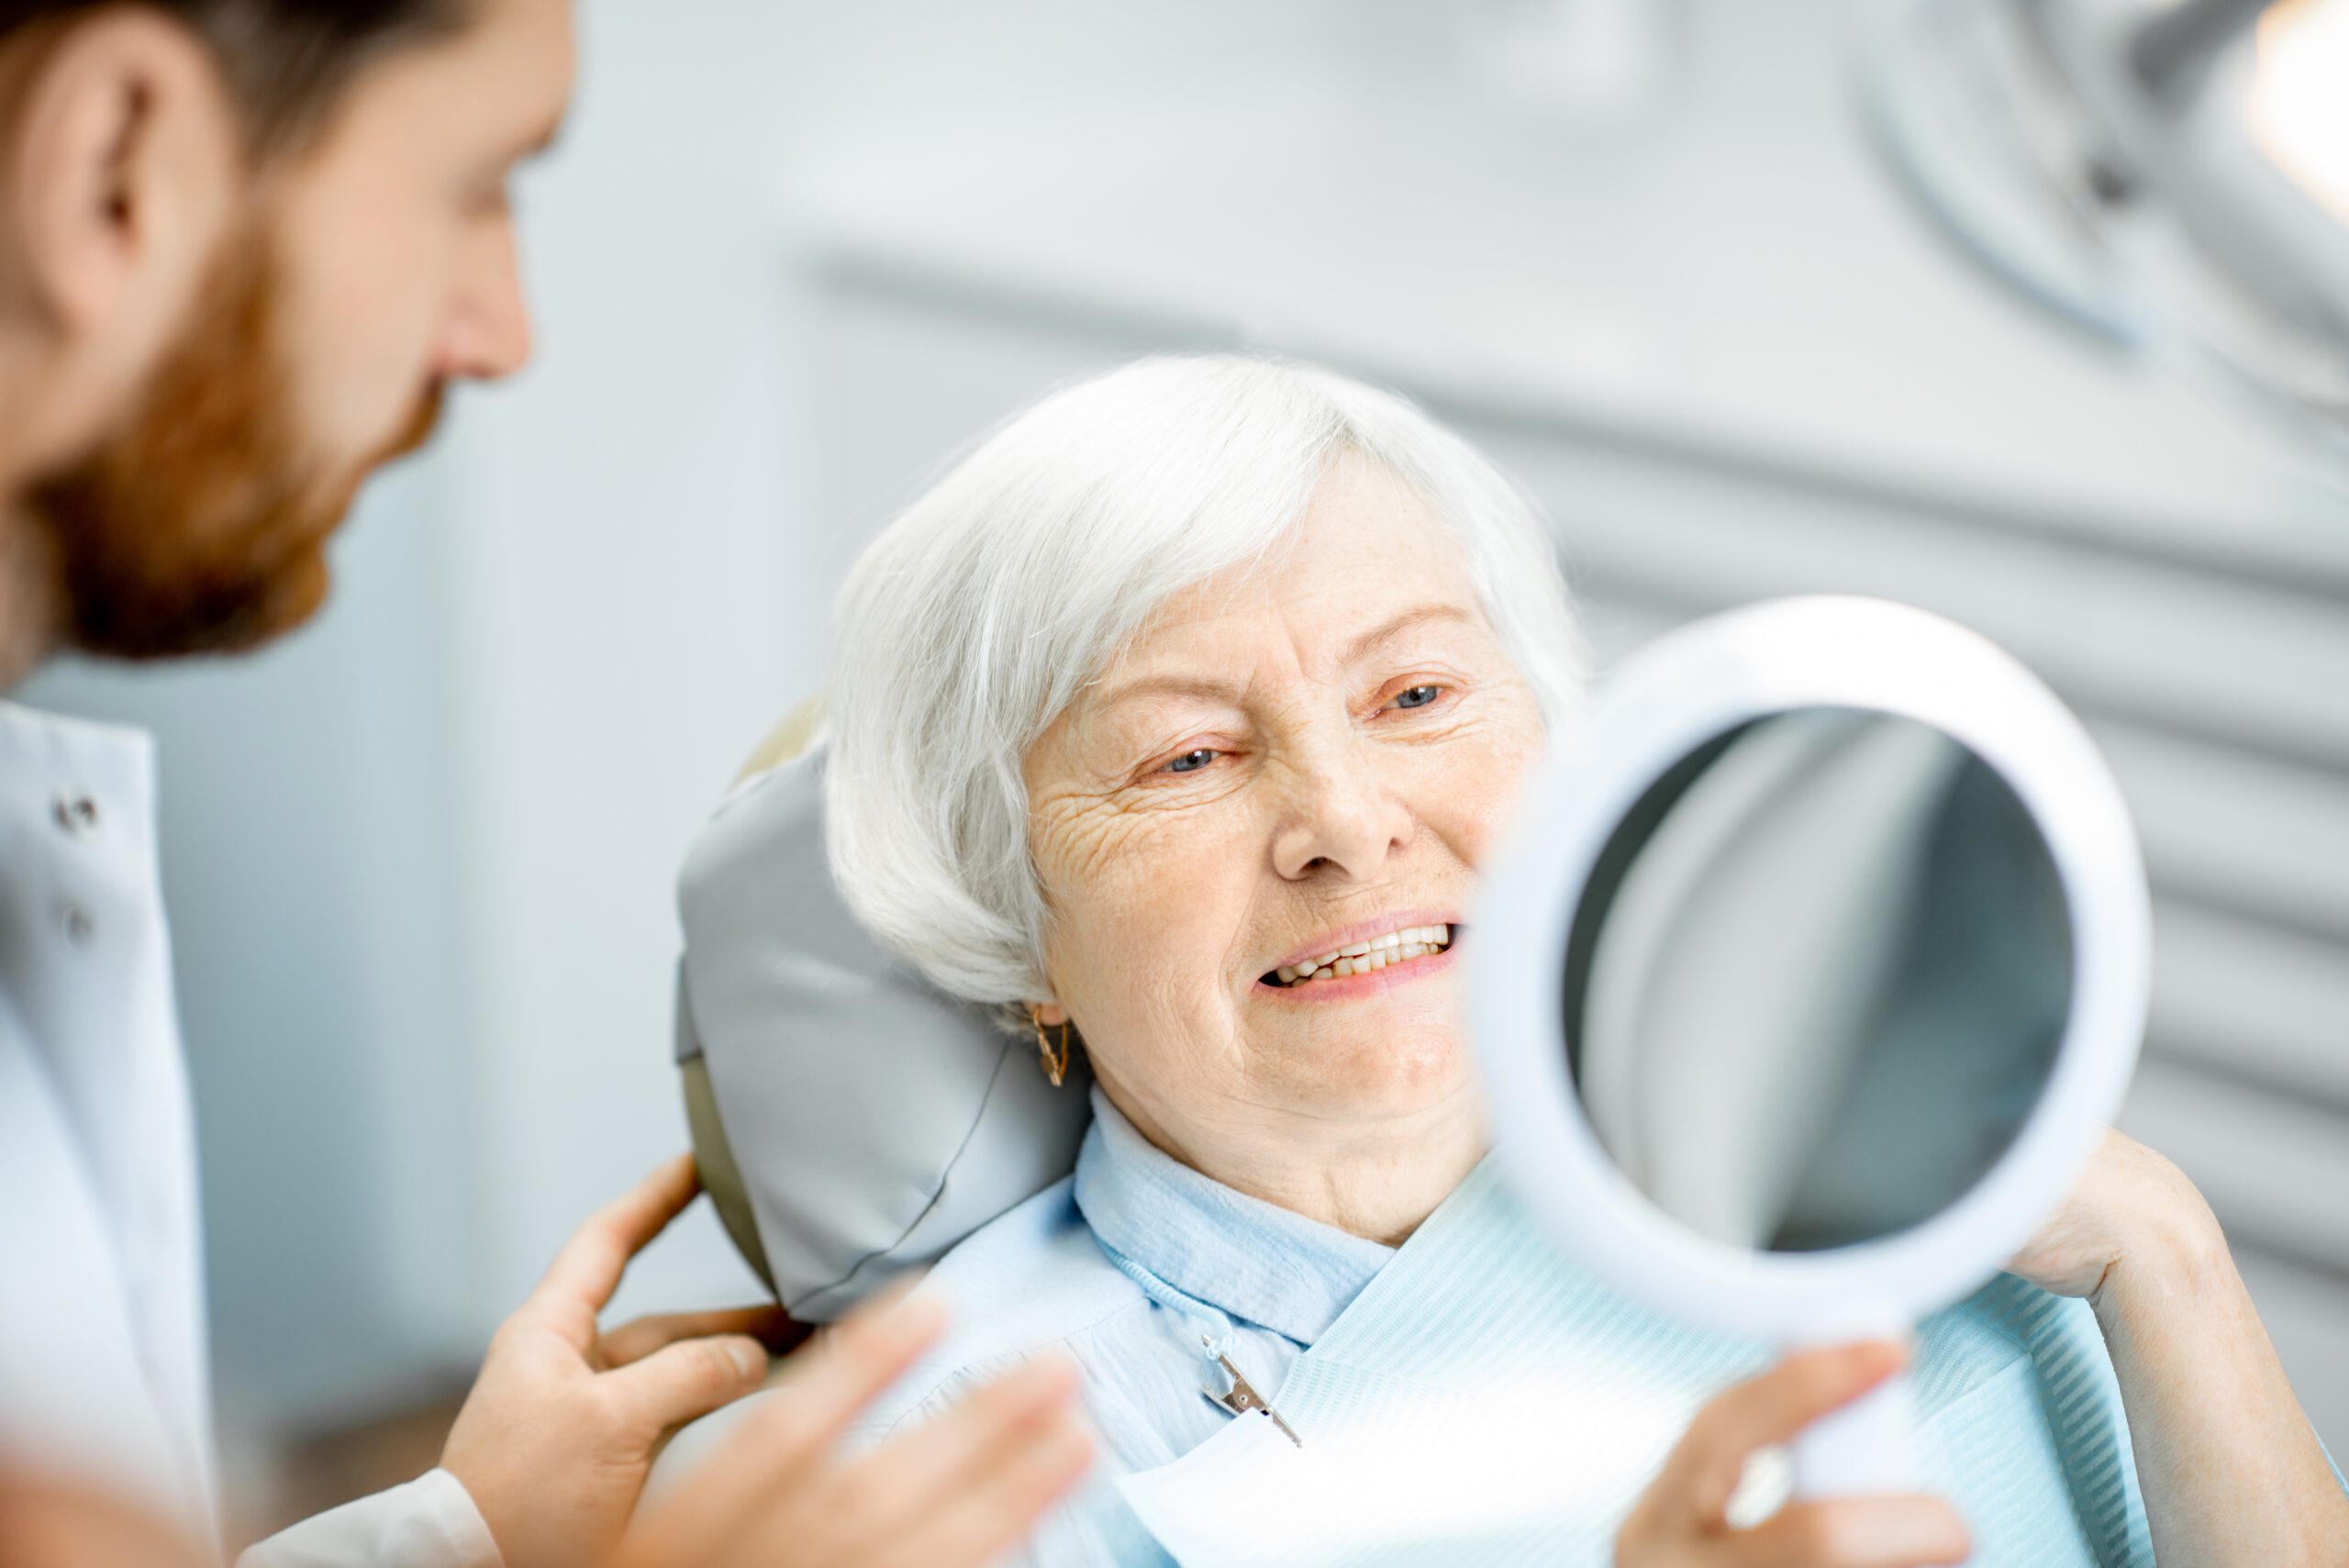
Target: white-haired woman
1184	712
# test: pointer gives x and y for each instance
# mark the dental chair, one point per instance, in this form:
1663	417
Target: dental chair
883	1121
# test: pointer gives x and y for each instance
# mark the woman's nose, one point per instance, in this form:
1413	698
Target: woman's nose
1346	821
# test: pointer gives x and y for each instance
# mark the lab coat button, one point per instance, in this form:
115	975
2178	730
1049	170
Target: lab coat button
75	812
75	922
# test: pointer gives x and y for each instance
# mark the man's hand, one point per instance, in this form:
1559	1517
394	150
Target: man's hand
559	1433
555	1439
48	1522
952	1493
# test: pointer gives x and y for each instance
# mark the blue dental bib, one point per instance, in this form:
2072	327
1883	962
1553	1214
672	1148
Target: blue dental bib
1487	1401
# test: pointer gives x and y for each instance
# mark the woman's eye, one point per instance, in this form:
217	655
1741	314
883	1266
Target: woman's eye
1418	696
1191	761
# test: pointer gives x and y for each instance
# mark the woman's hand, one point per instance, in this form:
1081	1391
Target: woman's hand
1682	1520
2229	1470
560	1430
2131	1217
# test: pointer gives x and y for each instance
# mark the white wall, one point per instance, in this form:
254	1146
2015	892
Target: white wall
625	612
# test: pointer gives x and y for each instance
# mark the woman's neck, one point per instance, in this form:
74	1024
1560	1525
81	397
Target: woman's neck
1372	1176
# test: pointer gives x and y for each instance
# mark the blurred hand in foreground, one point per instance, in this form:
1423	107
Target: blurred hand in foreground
561	1430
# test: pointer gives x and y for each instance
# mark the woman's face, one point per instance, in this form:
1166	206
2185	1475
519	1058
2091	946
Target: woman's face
1289	762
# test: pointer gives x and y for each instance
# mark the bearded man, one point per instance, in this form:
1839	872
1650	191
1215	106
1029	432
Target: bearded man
246	246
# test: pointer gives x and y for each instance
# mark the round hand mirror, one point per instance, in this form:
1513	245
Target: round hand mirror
1810	973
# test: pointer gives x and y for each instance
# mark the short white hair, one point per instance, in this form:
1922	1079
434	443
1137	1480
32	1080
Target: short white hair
979	614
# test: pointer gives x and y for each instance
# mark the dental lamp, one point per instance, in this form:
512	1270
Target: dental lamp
2168	176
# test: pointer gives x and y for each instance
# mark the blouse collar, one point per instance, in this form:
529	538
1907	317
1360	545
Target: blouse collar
1255	1261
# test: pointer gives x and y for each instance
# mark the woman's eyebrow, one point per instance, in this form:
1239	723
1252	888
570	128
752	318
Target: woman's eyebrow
1387	632
1202	687
1206	688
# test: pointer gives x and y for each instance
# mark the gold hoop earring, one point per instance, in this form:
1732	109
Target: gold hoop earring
1055	1065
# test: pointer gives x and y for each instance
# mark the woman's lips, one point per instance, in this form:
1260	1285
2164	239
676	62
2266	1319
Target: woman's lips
1372	954
1358	986
1387	929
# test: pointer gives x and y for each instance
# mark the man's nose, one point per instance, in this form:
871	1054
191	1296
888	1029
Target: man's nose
485	334
1344	818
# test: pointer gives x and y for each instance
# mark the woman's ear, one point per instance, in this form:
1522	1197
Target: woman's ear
125	166
1051	1014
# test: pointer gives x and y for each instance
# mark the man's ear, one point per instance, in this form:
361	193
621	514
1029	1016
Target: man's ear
126	164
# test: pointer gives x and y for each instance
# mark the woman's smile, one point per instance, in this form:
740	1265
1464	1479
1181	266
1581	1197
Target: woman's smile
1383	975
1368	947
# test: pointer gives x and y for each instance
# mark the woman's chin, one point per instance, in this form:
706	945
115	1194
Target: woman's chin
1398	1073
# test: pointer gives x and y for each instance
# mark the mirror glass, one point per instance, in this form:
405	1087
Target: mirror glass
1817	980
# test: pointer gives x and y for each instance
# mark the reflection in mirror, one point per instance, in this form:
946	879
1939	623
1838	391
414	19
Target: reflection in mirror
1817	980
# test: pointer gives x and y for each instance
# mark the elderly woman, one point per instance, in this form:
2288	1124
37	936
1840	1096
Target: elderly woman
1177	721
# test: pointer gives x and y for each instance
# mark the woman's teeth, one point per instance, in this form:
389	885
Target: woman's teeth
1367	957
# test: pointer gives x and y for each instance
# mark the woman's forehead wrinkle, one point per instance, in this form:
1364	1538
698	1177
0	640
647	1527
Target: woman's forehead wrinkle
1395	628
1219	643
1204	657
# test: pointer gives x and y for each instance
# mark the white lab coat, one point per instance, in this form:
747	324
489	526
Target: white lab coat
102	1334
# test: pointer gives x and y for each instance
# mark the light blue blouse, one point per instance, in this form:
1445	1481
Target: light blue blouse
1123	1267
1135	1260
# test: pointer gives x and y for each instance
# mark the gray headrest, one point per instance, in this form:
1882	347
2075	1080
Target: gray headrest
852	1120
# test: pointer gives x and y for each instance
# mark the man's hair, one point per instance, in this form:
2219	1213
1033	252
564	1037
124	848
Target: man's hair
286	61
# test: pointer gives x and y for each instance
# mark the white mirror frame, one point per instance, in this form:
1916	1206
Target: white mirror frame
1680	691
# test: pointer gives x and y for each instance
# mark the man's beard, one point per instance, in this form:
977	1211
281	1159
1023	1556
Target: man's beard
200	525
